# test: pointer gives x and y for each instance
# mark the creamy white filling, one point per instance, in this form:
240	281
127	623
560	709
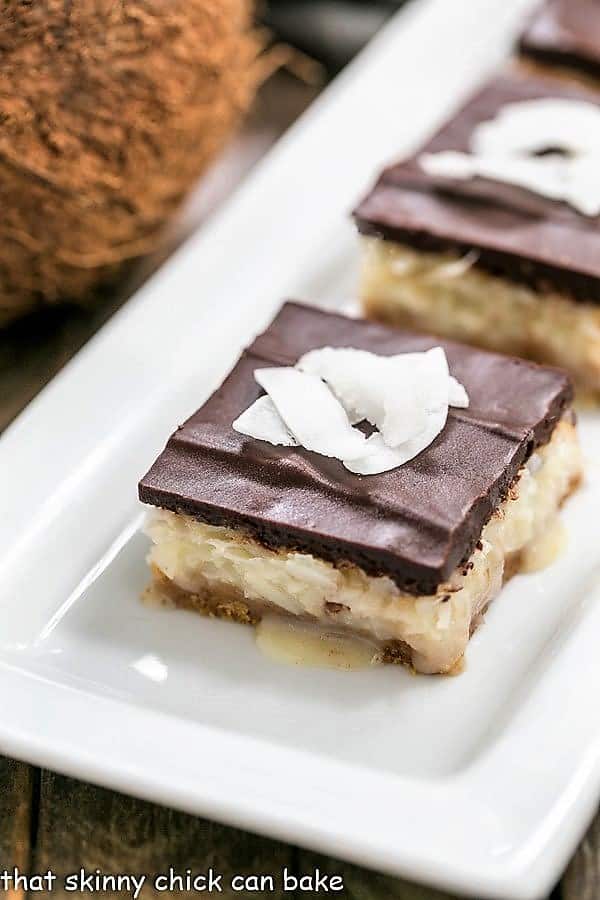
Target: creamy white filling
450	296
193	554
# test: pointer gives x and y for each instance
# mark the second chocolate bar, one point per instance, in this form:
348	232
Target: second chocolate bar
565	33
485	260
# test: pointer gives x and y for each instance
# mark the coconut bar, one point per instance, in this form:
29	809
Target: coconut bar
491	234
565	33
409	558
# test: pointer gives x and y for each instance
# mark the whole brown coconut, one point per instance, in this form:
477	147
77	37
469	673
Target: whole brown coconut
109	109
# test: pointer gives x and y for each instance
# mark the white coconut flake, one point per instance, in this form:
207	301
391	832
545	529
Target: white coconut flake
311	412
532	126
457	394
382	458
406	397
507	149
405	414
378	458
262	422
418	387
573	181
433	376
360	396
456	268
389	392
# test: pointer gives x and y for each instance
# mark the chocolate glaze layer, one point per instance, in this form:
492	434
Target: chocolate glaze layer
565	33
519	235
415	523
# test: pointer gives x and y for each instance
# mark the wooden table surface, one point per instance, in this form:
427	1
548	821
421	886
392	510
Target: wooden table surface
48	821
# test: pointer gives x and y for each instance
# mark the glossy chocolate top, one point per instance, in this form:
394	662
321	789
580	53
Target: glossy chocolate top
415	523
566	33
518	234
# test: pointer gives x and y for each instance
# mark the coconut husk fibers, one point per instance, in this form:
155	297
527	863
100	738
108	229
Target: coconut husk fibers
109	110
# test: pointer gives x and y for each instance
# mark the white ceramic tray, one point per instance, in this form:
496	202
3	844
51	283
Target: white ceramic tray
481	783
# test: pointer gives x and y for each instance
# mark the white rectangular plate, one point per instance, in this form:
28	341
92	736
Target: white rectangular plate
481	783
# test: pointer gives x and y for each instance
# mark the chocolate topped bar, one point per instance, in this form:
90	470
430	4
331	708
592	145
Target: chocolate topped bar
519	235
415	523
565	33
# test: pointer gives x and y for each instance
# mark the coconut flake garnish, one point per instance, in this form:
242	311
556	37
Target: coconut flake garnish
530	126
375	396
263	422
507	148
382	458
457	395
393	393
312	413
315	405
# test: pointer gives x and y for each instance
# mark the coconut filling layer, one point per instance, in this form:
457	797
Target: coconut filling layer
450	296
245	579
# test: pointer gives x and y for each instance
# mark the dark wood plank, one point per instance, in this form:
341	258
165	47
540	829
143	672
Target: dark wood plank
17	785
85	826
582	878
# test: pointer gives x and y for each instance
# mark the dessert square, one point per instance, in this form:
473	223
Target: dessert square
493	263
408	559
565	33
